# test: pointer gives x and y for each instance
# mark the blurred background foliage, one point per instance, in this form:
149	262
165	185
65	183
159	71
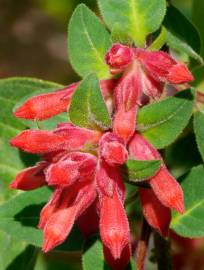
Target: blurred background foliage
33	37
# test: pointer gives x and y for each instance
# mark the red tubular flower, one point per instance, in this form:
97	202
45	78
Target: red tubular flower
166	188
109	179
157	215
75	201
70	168
114	228
163	67
46	105
63	138
112	149
127	96
30	178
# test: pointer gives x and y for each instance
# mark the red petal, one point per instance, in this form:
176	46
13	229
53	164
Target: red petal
127	96
70	168
157	215
112	149
168	190
179	74
117	264
109	179
46	105
163	67
30	178
114	228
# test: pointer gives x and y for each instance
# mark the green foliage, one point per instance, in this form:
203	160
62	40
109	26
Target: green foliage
199	131
88	108
178	37
136	17
190	224
88	41
162	122
140	170
197	17
159	41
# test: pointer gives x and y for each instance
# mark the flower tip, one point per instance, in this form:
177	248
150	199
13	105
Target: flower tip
116	249
13	185
47	245
179	207
179	73
21	112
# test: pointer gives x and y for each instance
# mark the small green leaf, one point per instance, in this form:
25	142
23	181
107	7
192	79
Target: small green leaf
190	224
159	41
199	131
178	37
137	17
162	122
88	108
88	41
140	170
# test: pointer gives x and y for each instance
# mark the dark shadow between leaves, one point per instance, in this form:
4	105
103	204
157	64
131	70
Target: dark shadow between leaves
29	216
25	260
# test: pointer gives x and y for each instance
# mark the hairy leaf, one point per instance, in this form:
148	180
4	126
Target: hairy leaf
137	17
140	170
199	131
190	224
88	108
88	41
162	122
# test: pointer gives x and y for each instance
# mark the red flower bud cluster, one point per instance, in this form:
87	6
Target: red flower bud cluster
88	186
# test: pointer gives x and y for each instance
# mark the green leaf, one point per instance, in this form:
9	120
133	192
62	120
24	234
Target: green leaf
162	122
159	41
178	37
137	17
19	216
140	170
92	257
119	35
199	131
190	224
88	41
88	108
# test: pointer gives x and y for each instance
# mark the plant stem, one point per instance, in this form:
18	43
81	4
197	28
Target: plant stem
142	246
162	252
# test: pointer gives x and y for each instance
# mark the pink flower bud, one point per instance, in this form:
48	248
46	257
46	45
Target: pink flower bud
70	168
119	56
112	149
30	178
44	106
163	67
114	228
157	215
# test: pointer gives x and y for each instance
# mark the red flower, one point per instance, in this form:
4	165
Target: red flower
87	181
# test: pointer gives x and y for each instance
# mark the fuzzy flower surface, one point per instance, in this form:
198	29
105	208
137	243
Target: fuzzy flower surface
87	184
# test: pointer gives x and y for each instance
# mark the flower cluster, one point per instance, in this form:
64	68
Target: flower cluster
87	183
